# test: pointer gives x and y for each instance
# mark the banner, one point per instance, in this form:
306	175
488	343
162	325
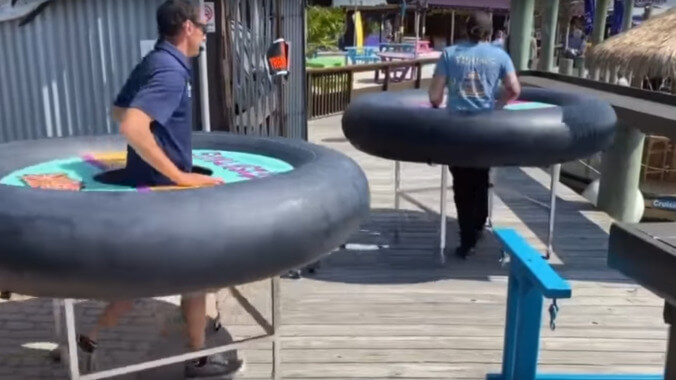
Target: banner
589	11
210	16
358	30
618	13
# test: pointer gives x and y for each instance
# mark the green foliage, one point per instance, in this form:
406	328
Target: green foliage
324	27
371	27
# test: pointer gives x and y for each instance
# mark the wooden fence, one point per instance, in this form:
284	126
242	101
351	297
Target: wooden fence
330	90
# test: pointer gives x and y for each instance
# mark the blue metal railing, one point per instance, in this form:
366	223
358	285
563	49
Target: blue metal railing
531	279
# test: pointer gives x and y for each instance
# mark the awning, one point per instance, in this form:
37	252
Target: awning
487	4
21	9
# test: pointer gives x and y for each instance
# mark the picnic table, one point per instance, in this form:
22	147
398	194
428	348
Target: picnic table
357	55
403	72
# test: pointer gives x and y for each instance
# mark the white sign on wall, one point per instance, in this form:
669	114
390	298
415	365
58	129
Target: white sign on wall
210	16
147	46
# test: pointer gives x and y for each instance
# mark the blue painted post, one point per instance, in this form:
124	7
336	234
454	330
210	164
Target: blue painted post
511	321
599	377
531	279
528	331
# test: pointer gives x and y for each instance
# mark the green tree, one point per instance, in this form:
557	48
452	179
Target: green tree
324	27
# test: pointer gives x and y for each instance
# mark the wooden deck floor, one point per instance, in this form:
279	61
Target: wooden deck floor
384	308
387	308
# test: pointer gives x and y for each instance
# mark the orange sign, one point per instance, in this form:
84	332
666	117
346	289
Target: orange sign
278	58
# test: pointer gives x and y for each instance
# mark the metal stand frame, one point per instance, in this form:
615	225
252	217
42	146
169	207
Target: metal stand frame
443	198
399	193
69	351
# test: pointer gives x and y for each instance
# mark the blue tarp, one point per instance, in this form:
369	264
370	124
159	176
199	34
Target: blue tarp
589	11
618	13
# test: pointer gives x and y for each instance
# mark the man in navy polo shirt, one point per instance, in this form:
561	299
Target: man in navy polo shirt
154	106
154	112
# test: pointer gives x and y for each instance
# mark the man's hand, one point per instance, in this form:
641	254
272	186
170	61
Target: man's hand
197	180
512	90
436	91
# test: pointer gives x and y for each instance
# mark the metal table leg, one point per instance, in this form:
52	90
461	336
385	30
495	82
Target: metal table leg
670	366
61	351
670	319
276	313
442	229
397	197
491	195
73	365
556	174
271	335
397	183
58	322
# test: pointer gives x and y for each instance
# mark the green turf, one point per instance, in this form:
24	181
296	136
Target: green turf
328	61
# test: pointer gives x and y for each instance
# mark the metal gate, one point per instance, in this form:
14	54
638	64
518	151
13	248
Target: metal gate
60	72
256	104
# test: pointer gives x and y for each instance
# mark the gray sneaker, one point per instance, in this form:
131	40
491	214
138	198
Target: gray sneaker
215	366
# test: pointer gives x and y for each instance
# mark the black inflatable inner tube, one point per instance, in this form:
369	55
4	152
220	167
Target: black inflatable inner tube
107	244
402	126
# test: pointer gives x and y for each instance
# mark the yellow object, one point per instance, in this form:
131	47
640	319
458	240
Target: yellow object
110	160
358	30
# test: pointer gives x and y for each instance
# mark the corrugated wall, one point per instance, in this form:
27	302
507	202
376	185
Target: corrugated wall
59	74
293	27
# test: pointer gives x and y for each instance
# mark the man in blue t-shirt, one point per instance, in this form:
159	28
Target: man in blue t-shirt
472	72
154	112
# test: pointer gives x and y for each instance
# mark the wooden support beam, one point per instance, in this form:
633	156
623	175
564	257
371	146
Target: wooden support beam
598	33
549	28
521	30
626	17
621	174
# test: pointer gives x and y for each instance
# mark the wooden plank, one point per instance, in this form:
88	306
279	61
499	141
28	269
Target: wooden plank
364	299
479	357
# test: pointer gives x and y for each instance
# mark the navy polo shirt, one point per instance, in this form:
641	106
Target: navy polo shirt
160	86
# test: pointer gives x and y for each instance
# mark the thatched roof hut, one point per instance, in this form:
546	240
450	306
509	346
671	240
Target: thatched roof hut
647	50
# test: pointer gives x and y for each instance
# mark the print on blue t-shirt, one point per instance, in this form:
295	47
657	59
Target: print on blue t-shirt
473	73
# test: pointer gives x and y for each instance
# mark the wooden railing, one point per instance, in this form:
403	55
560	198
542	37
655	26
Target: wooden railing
330	90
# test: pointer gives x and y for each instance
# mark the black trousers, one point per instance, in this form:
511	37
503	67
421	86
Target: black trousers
470	188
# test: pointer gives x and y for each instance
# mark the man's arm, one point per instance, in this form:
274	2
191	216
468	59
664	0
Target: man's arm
436	91
135	127
118	113
510	82
155	101
512	90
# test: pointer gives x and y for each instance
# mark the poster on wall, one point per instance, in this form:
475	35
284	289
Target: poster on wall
147	46
210	16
